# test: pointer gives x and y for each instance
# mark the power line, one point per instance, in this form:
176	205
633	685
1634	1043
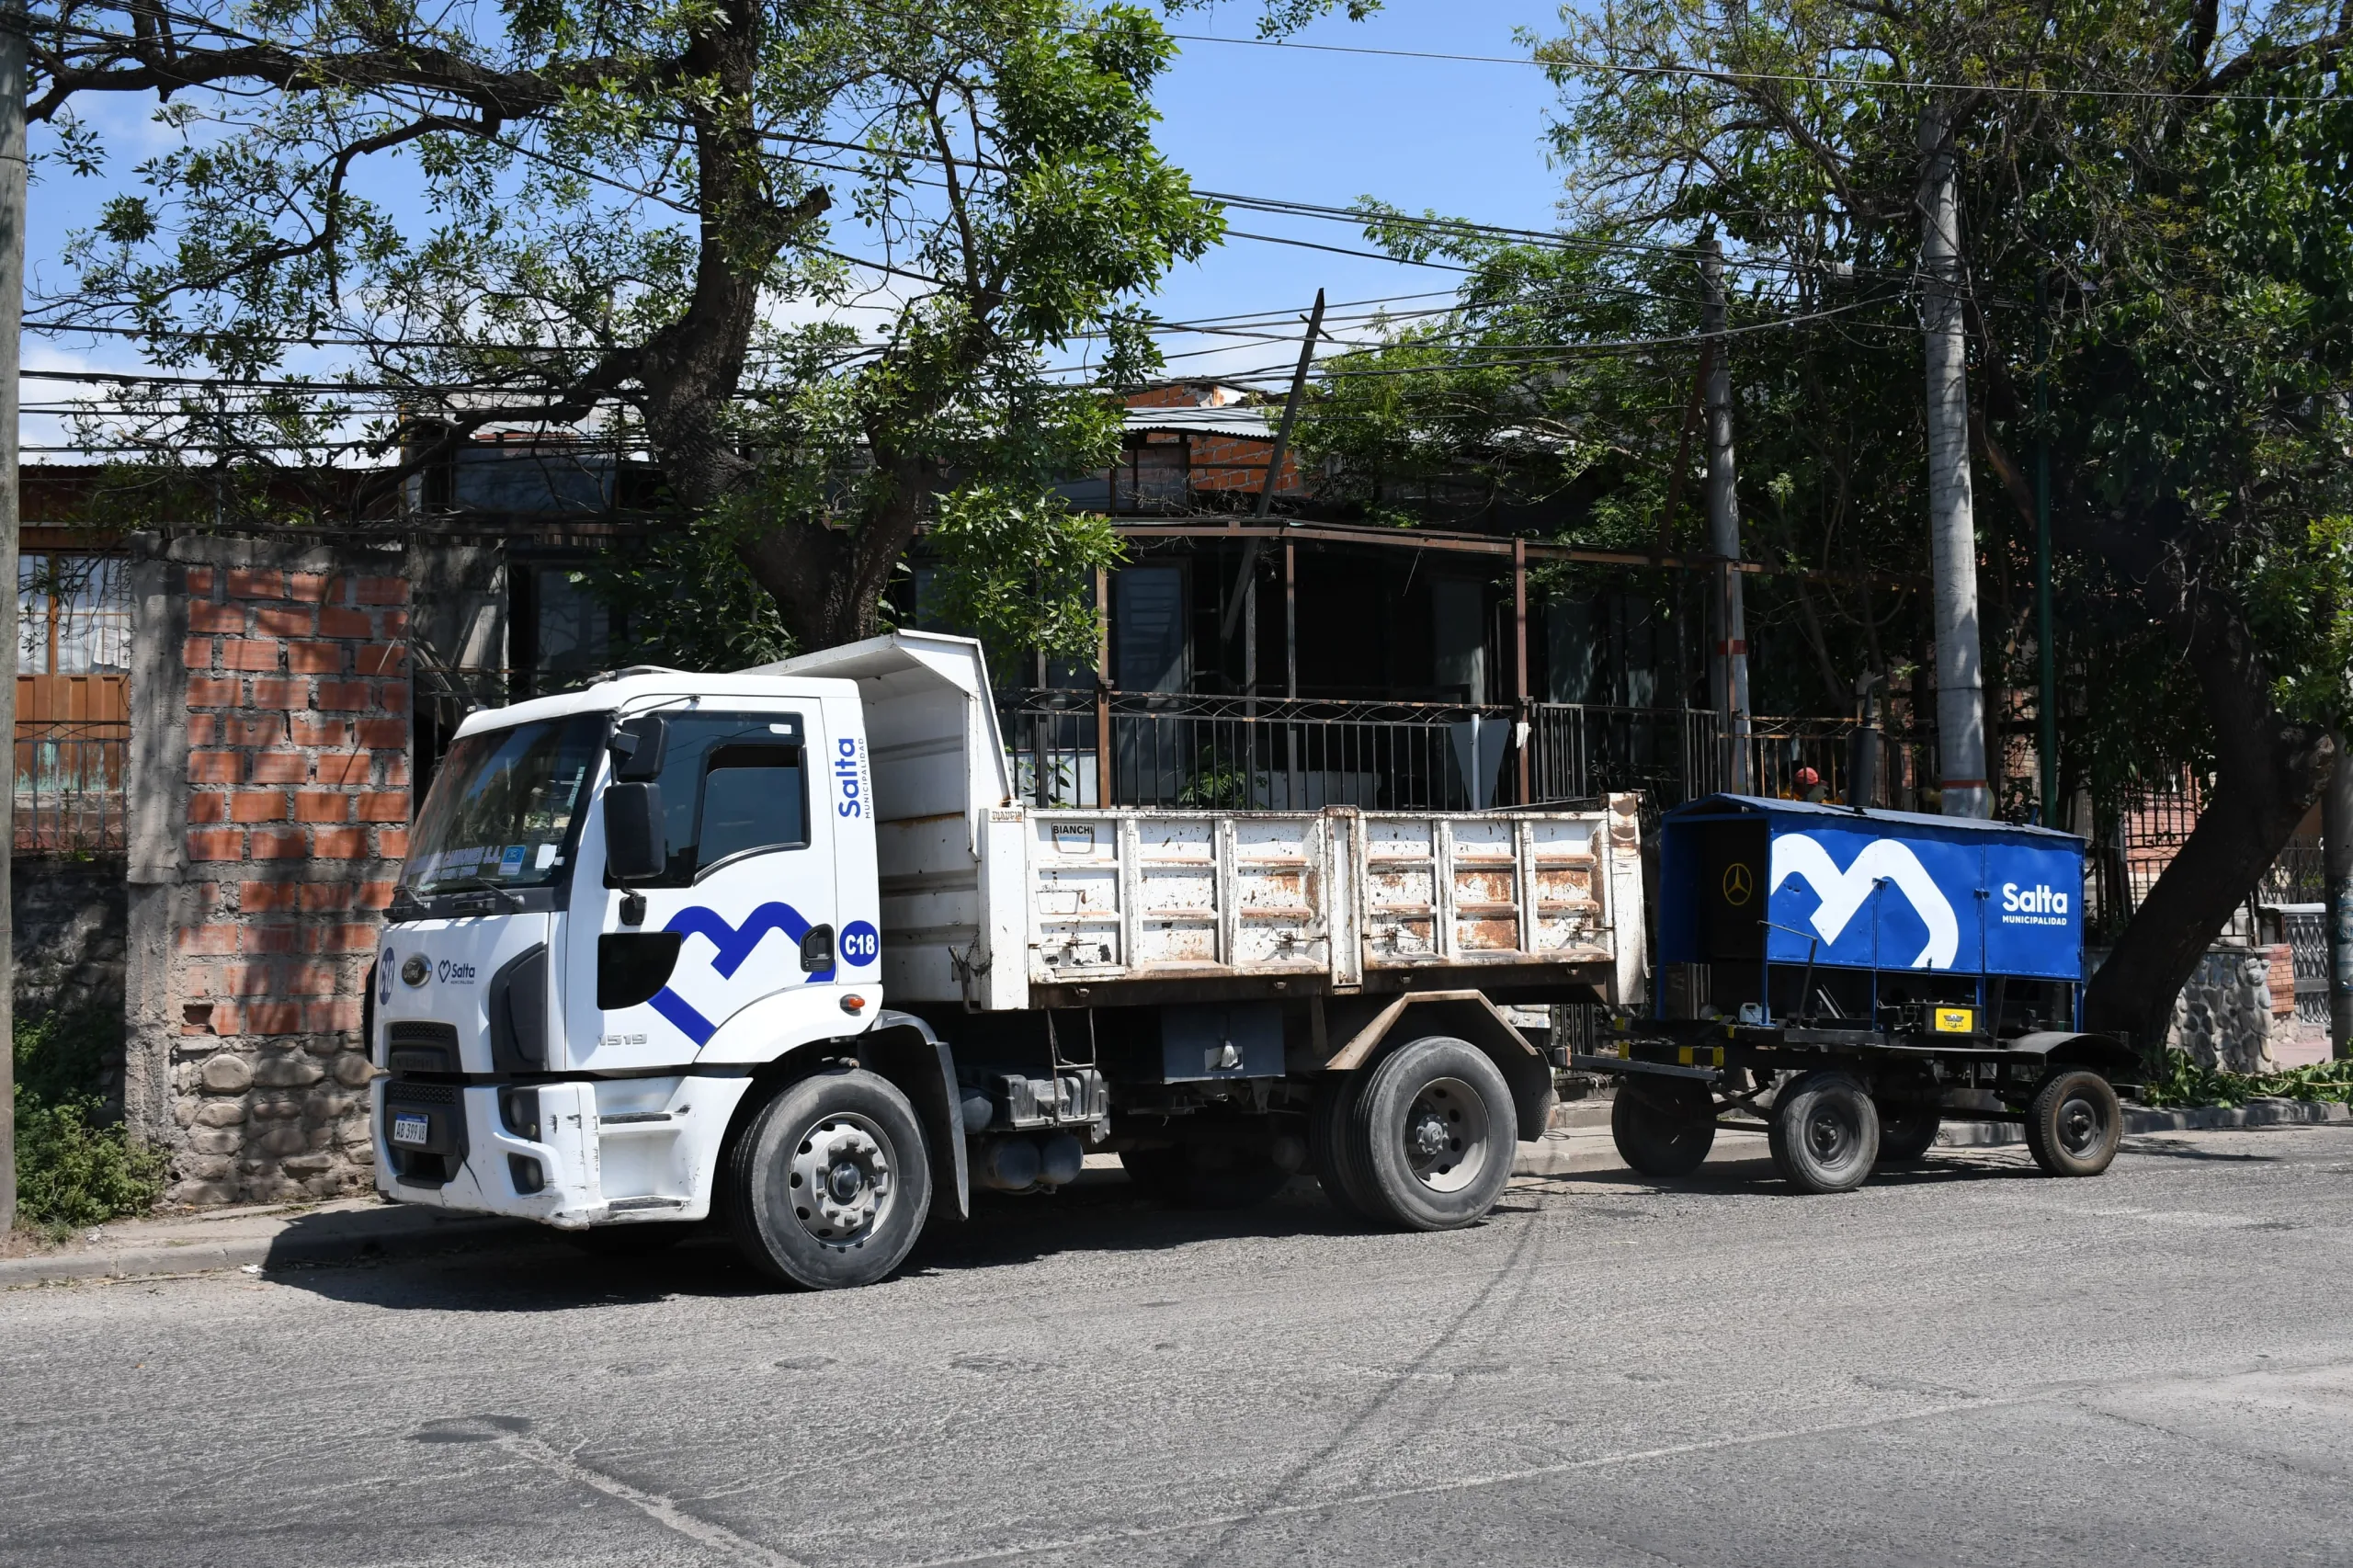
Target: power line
1712	73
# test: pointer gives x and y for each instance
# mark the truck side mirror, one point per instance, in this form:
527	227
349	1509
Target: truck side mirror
637	746
633	840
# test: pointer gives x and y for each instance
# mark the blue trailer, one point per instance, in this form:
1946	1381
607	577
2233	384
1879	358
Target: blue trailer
1854	978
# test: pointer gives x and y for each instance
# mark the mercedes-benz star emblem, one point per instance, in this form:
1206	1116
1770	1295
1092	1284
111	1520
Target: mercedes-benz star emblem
417	971
1739	883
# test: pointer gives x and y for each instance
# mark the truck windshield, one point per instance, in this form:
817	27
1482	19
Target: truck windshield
502	806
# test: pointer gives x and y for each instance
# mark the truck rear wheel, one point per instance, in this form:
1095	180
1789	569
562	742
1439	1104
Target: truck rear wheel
1907	1130
1663	1127
2074	1124
1328	1143
1434	1130
830	1182
1825	1132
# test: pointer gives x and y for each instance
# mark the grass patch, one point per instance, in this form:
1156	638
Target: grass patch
2181	1082
75	1165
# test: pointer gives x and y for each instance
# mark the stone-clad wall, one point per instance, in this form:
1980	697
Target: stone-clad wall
2226	1017
266	832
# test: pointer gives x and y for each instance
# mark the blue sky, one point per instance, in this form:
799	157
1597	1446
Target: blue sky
1461	136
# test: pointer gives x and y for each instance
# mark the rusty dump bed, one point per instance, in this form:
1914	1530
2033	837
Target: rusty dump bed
998	905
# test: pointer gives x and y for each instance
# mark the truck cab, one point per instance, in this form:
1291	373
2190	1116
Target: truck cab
565	1044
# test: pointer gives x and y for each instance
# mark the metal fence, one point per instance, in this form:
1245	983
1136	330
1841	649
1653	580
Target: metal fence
1273	753
68	790
1188	749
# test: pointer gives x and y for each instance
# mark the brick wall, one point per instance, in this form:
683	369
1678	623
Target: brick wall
293	819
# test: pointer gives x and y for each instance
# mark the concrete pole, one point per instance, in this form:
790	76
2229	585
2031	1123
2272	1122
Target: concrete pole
2336	882
12	312
1728	667
1952	524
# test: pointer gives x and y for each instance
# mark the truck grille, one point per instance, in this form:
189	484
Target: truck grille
415	1045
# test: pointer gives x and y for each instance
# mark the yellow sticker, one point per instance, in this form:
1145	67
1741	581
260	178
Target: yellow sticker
1956	1020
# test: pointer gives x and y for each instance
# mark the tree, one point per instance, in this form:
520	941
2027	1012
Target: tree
2180	171
648	218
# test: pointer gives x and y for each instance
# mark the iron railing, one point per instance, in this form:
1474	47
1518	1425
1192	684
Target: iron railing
1189	749
1267	753
68	790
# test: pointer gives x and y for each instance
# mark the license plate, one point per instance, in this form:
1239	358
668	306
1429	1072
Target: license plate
416	1129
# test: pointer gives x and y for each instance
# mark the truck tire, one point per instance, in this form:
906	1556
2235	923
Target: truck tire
1907	1130
1824	1132
829	1183
1663	1127
1434	1130
1327	1145
1158	1174
2074	1124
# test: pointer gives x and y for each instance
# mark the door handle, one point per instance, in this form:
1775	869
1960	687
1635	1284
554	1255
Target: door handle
817	949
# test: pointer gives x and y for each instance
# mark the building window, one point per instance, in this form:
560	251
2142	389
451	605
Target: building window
72	614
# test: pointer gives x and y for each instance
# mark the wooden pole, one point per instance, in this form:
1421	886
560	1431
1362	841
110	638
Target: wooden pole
1290	619
1523	707
12	310
1102	687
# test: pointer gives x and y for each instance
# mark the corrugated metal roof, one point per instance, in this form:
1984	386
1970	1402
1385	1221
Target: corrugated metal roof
1240	423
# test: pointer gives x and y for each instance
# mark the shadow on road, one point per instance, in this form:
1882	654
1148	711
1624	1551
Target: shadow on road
500	1266
447	1264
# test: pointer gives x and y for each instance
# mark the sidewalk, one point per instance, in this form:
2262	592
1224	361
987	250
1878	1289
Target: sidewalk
367	1229
351	1230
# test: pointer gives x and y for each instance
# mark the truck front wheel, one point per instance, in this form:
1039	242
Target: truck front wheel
1663	1128
830	1183
1825	1132
1434	1130
2074	1124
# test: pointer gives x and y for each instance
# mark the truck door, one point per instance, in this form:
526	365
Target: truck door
744	907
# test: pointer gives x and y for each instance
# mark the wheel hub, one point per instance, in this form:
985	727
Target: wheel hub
1826	1131
1445	1135
2079	1126
841	1180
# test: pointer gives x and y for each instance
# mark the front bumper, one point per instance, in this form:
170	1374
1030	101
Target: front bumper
586	1152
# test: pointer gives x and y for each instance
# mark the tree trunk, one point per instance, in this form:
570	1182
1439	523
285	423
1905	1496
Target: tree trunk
829	579
2268	772
1952	528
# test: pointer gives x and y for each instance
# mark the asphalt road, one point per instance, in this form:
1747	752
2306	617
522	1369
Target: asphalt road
1966	1364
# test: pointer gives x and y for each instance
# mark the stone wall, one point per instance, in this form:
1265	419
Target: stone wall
2227	1015
69	917
270	809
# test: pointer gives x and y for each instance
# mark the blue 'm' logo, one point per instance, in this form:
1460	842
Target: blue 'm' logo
735	944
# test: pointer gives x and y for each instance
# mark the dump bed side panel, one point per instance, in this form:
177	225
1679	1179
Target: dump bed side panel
1346	896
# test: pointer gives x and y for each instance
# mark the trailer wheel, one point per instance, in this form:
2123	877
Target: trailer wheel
1434	1129
2074	1124
1907	1130
1825	1132
830	1182
1663	1128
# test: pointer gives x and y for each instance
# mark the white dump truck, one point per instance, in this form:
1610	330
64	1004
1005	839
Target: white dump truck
781	951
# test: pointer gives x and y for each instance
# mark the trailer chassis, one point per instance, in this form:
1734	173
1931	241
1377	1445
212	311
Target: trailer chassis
1839	1101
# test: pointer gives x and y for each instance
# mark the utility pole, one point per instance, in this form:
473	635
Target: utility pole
1728	671
2337	894
12	314
2046	633
1952	526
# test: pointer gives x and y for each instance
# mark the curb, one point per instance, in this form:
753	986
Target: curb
365	1237
2191	1119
